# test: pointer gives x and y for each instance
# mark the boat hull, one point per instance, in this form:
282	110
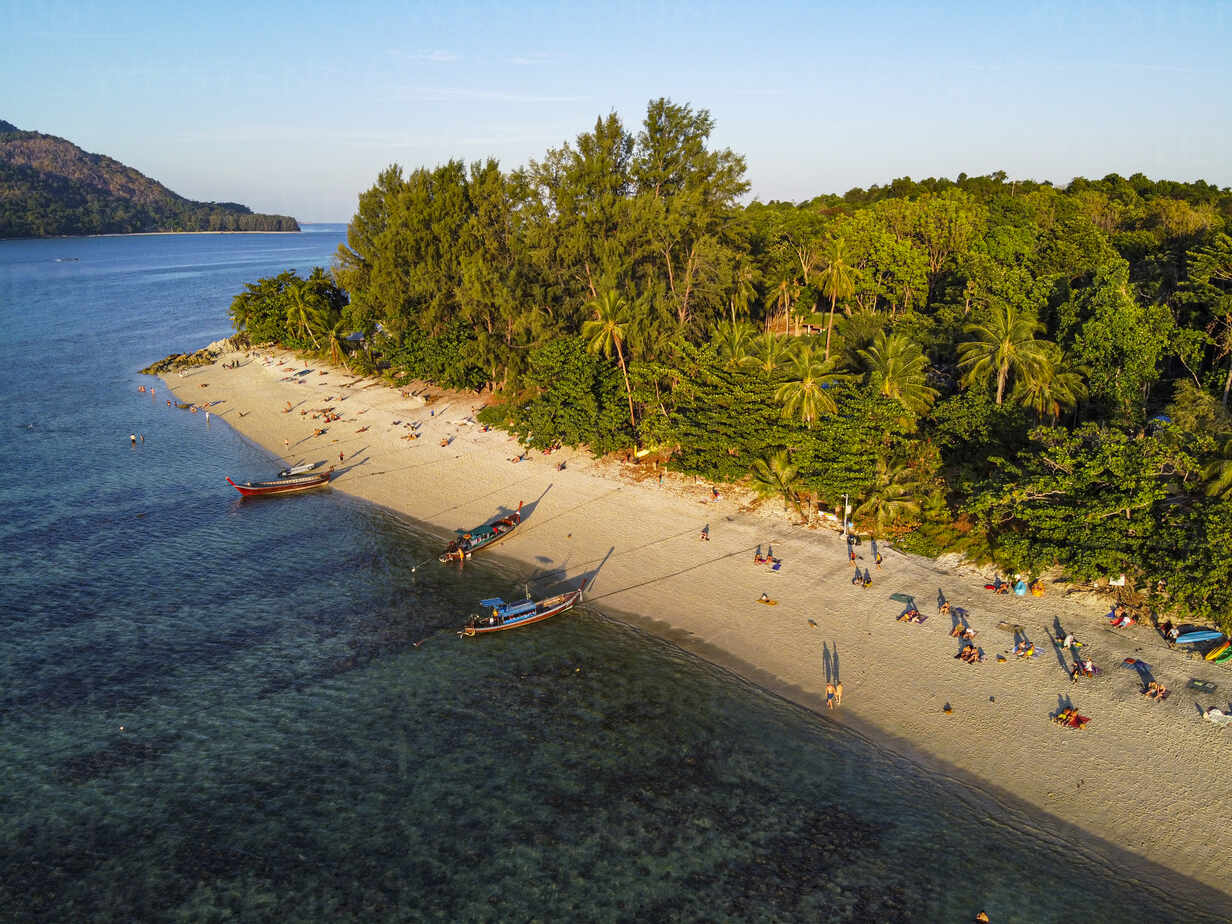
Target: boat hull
282	486
545	609
482	537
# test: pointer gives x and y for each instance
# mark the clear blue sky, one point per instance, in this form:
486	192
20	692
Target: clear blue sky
295	107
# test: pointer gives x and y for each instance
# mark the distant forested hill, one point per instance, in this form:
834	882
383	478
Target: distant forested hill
49	186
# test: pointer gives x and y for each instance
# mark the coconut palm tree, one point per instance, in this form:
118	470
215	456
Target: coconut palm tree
607	330
837	280
734	341
241	311
780	299
774	476
894	496
304	312
807	391
1218	473
1051	385
770	351
333	345
1003	345
897	368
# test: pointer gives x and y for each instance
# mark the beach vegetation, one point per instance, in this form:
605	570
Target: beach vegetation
1031	374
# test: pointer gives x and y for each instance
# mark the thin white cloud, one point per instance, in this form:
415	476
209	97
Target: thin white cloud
523	60
438	55
458	94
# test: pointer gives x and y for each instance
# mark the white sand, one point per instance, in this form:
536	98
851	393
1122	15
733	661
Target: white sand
1148	777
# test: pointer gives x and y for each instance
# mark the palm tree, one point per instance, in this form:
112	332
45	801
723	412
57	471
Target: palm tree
838	280
781	297
1051	386
304	312
744	278
735	342
894	496
1218	473
770	351
334	345
1005	343
806	392
241	311
774	475
607	330
897	368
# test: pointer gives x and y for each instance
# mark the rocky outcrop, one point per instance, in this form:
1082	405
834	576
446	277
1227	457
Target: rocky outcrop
203	357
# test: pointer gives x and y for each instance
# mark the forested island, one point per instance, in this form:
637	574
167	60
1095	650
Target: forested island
1029	375
50	187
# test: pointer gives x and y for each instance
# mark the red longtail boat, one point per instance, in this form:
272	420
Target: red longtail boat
282	485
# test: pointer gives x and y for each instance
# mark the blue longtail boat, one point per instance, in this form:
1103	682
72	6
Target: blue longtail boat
502	615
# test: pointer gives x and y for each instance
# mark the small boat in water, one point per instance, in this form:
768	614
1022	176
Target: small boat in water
481	537
282	485
502	615
298	469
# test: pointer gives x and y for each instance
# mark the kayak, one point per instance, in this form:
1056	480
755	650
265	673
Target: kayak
1199	635
1223	657
1215	652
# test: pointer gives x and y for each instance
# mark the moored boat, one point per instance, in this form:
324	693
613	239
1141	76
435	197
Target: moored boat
481	537
298	469
282	485
502	615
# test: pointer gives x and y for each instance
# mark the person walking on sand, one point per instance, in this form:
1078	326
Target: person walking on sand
851	554
341	456
705	536
838	693
877	560
830	694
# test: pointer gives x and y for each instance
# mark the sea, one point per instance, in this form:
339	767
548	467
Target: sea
216	709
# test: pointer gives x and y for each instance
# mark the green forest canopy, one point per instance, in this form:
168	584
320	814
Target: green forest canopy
49	186
1034	375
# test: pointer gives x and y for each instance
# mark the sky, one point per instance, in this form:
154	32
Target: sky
294	108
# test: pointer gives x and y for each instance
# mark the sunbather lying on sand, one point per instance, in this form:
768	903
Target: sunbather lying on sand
1155	691
1070	719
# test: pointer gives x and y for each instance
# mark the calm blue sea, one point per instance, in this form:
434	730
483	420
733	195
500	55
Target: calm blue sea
213	709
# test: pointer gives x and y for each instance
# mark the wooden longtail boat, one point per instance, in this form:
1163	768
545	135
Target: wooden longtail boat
298	469
282	485
481	537
504	615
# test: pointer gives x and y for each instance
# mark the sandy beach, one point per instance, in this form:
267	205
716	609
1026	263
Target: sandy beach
1144	780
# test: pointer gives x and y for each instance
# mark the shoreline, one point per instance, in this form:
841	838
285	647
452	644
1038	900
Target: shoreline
651	569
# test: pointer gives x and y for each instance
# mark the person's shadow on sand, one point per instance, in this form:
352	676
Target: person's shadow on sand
829	662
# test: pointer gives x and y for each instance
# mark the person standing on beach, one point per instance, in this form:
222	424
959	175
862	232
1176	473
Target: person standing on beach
838	693
831	692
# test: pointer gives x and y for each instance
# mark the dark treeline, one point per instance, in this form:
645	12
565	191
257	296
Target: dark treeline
1031	375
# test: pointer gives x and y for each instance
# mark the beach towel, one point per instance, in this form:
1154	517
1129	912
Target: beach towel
1217	716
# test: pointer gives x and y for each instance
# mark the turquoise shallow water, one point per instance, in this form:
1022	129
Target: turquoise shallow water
215	709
